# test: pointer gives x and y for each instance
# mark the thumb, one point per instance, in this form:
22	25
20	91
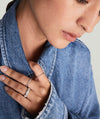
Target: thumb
38	72
36	68
31	63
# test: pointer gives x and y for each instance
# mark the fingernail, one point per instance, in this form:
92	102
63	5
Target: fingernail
6	88
2	78
3	68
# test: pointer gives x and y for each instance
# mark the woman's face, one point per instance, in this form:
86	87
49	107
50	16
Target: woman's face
72	16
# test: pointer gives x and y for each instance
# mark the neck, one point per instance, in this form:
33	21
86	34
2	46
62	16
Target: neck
31	36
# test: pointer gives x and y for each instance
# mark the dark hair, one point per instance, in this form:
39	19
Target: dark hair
10	4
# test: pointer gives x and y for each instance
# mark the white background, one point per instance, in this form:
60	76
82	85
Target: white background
92	40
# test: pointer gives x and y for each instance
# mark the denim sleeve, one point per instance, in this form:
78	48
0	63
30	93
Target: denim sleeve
56	109
91	108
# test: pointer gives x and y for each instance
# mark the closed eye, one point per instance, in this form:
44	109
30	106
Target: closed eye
83	1
99	13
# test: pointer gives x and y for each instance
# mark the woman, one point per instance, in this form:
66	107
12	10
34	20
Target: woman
46	72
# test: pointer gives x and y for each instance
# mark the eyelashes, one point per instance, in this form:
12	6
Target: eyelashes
83	1
99	13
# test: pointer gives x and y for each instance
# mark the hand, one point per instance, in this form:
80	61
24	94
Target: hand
39	87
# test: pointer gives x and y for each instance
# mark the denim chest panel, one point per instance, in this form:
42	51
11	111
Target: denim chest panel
12	55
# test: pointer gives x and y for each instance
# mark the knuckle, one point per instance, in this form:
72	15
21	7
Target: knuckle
10	72
23	79
21	76
16	86
17	97
43	92
8	81
21	88
38	100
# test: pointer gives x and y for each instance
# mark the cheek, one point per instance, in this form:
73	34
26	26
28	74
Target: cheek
60	13
55	15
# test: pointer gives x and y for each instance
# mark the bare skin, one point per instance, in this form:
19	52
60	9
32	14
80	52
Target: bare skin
39	88
31	37
44	20
40	21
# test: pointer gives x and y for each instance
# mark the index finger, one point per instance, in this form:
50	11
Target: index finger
15	75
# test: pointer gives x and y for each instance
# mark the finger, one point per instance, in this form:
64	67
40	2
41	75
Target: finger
18	97
15	75
27	104
20	87
13	84
38	70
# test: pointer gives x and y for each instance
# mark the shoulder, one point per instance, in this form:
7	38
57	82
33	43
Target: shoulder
76	56
81	50
76	49
80	47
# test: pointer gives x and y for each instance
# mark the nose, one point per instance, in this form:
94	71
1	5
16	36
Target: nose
88	21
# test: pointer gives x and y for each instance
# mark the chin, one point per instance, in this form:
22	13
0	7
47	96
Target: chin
61	47
60	44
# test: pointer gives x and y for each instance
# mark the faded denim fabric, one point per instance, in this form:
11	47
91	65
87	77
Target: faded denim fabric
72	94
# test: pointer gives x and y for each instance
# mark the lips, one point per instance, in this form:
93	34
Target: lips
70	36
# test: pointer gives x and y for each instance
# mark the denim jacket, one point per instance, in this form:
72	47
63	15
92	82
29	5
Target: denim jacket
69	70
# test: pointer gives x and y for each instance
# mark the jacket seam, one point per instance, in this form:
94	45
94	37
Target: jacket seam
53	64
3	49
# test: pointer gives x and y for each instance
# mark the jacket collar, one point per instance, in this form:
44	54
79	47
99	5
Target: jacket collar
12	50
